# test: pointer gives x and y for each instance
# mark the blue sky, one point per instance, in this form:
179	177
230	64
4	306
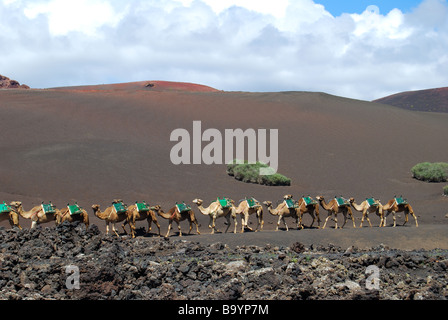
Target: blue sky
337	7
231	45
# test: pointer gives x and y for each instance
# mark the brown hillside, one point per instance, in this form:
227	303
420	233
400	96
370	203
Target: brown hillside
431	100
68	145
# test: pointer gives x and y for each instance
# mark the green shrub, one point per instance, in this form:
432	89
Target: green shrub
431	172
445	190
250	173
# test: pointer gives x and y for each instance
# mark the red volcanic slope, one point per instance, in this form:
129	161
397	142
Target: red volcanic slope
431	100
144	85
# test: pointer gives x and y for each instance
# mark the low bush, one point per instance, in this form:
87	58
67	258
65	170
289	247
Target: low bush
250	173
445	190
431	172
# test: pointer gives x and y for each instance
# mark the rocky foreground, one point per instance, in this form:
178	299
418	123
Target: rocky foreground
46	263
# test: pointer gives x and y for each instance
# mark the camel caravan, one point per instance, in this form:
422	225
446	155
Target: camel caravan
219	208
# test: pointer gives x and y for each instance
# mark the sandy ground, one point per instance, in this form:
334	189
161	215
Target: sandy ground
92	145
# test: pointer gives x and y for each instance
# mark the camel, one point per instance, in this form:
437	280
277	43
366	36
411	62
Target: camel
174	215
65	215
398	205
312	209
111	216
283	211
333	208
366	207
245	210
216	210
36	214
136	215
12	216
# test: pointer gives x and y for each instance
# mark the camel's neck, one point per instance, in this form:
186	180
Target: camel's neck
203	210
324	204
165	215
272	211
25	214
102	215
356	206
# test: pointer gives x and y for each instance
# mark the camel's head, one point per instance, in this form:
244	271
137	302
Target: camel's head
198	201
351	200
267	203
117	201
287	196
15	204
95	207
320	198
156	208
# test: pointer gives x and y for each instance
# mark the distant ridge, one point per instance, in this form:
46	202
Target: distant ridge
144	85
6	83
430	100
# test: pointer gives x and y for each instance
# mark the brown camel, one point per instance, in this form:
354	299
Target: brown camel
78	214
12	216
369	206
174	215
245	210
36	214
334	208
216	210
111	216
307	205
283	211
399	205
139	215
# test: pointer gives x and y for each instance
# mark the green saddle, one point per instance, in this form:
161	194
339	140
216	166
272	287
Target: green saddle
182	207
309	201
371	202
142	206
225	203
48	208
342	202
4	208
400	201
74	209
120	207
251	202
290	204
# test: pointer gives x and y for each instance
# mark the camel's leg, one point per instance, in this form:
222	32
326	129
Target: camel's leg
246	221
278	222
234	222
326	220
130	226
180	230
169	229
211	225
107	227
259	222
33	224
316	211
415	218
336	220
151	220
113	229
368	220
351	216
14	221
284	222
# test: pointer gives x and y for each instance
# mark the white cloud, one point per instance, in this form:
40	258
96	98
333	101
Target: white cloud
231	45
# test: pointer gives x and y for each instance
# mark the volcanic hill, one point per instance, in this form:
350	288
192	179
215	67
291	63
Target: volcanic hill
92	144
430	100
